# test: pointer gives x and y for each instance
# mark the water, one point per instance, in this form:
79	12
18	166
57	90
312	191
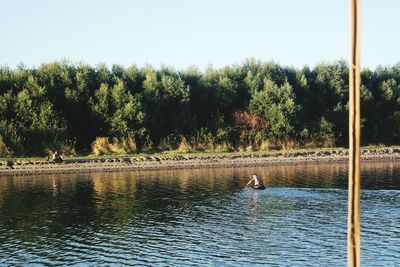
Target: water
198	217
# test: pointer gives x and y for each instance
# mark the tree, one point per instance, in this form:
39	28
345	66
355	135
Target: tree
35	119
166	102
277	105
117	112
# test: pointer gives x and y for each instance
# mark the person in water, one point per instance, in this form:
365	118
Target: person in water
258	182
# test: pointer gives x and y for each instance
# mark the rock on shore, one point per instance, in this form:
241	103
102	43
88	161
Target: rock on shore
27	167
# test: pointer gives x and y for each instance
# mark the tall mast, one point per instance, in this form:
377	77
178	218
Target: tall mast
353	230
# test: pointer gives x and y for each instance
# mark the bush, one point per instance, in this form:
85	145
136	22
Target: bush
171	142
261	145
103	146
224	147
184	146
203	141
67	148
129	145
265	145
205	145
5	151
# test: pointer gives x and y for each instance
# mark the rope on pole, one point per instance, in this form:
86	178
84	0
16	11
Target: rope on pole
353	227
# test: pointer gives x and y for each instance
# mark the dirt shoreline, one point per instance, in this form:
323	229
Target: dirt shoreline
37	167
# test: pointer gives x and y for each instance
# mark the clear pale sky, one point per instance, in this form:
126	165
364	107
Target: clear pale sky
182	33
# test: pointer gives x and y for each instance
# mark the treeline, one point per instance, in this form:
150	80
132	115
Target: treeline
255	105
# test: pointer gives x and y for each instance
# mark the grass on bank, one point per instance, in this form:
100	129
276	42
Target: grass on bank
104	147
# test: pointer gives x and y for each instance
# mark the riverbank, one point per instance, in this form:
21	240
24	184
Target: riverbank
190	161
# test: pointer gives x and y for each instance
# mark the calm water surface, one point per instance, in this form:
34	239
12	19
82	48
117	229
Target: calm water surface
198	217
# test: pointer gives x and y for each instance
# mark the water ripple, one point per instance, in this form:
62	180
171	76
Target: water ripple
198	218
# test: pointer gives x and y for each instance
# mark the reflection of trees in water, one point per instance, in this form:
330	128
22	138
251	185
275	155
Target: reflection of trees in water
156	196
31	208
58	205
54	205
310	175
388	174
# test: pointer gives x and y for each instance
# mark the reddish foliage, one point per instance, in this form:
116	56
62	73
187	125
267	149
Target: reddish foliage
250	121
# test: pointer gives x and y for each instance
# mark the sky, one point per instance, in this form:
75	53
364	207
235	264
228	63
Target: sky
184	33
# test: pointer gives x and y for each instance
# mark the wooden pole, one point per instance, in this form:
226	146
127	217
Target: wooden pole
353	230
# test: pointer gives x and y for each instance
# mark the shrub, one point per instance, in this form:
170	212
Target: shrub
116	147
171	142
265	145
203	141
250	128
205	145
101	146
184	146
224	147
67	148
129	145
5	151
288	144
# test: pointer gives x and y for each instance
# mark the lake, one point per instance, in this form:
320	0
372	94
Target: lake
199	217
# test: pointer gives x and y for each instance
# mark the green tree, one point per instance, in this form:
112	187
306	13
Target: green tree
166	101
35	119
118	113
277	105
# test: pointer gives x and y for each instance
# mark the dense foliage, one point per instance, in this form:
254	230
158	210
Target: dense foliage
239	107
